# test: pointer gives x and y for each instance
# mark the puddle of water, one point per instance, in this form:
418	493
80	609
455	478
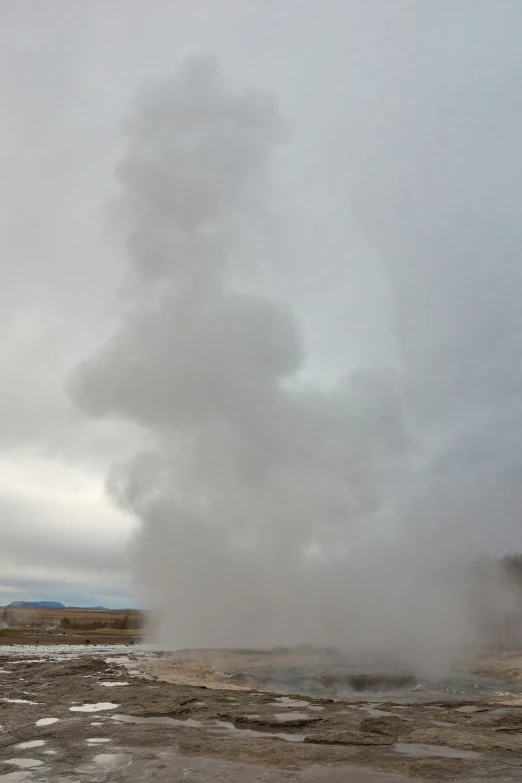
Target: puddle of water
377	713
224	729
158	719
101	705
470	708
113	760
503	711
21	701
220	728
31	744
98	740
286	701
46	721
96	724
15	777
50	752
112	684
288	717
421	750
24	763
4	671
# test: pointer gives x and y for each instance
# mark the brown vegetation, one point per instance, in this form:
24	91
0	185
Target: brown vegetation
34	625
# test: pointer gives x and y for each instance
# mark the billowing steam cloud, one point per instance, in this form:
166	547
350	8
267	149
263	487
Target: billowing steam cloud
253	478
273	511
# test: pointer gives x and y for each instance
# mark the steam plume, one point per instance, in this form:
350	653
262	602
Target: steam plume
274	511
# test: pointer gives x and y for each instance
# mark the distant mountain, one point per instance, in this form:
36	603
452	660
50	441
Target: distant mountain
50	605
47	604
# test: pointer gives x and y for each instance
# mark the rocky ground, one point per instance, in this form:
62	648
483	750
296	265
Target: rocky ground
114	717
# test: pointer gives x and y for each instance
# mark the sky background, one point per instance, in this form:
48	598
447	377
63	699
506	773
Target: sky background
68	72
350	78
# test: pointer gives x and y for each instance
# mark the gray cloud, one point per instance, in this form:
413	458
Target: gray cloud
436	182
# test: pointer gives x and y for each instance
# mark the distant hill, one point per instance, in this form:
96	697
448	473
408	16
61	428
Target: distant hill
47	604
50	605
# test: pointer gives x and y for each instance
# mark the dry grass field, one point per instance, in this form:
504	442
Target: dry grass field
44	625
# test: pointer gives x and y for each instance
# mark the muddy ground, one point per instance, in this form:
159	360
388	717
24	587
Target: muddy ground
205	725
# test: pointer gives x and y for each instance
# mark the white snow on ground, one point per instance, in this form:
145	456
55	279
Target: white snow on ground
31	744
21	701
112	684
24	763
42	653
101	705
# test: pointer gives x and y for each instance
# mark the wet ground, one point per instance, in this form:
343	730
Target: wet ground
109	714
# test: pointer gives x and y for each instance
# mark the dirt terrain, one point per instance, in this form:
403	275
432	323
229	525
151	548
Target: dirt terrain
132	715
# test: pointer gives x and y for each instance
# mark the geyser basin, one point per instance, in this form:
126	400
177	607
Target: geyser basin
318	673
381	682
339	680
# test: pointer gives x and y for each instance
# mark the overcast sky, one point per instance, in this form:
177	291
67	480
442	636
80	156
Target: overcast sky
390	227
